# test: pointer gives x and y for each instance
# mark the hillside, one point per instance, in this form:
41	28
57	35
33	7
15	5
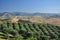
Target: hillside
38	19
45	15
32	17
27	30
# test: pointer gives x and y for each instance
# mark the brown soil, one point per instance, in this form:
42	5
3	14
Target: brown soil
14	19
38	19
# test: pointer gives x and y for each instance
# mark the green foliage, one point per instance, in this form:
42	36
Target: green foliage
19	37
31	38
29	31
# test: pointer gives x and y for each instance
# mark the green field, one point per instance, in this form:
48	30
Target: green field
24	30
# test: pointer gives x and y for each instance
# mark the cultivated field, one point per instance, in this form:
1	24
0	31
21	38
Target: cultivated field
25	30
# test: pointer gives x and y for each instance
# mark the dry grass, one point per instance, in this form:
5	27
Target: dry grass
38	19
55	21
14	19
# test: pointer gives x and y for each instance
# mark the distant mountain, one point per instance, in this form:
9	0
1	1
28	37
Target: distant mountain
45	15
50	18
55	16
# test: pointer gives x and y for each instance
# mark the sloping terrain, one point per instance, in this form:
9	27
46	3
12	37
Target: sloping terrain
45	15
50	18
14	19
28	30
54	21
38	19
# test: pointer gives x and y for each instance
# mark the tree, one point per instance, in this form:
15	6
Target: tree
31	38
19	37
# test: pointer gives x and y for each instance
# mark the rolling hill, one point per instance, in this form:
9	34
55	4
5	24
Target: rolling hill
46	15
50	18
27	30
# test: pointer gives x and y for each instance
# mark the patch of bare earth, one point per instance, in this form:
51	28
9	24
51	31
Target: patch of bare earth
37	19
23	17
55	21
14	19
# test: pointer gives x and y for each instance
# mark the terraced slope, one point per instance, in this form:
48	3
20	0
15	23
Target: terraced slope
27	30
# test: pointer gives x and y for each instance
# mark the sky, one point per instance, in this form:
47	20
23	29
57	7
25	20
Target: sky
42	6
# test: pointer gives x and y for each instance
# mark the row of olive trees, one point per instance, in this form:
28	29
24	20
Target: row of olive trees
38	31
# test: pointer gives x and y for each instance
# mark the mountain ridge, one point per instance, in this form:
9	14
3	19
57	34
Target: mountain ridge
45	15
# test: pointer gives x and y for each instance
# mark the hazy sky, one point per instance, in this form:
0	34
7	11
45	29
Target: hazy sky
43	6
